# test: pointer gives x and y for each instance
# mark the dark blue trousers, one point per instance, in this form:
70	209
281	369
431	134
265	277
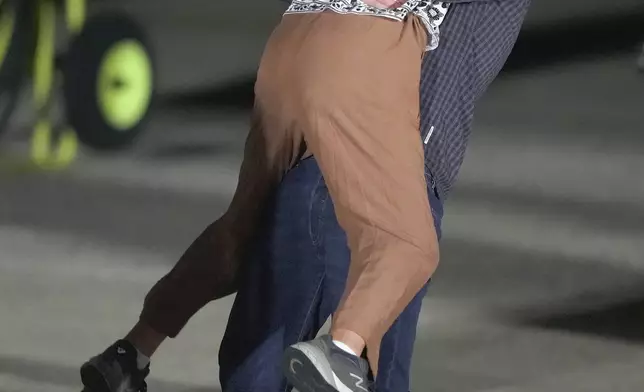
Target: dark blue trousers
292	283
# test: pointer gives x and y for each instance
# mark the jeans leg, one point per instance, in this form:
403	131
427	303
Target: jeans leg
291	285
397	345
279	298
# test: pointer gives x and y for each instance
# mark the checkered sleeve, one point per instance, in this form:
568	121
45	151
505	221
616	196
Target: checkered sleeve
496	33
476	40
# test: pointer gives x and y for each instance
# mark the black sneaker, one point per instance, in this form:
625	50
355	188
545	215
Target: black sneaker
320	366
115	370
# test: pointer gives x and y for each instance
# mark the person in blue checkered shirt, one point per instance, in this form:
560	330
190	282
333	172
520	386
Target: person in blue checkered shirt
290	269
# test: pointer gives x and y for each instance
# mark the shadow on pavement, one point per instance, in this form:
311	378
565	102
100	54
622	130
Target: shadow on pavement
181	151
621	320
237	94
577	40
66	376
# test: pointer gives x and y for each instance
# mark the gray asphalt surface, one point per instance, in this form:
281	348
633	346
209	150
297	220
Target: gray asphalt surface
541	287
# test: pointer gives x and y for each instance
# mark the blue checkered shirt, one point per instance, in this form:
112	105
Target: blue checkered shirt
476	39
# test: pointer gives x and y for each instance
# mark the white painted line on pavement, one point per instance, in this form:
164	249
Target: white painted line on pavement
493	225
213	177
52	254
555	170
559	171
485	224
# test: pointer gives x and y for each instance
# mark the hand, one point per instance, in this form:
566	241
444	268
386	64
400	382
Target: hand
385	3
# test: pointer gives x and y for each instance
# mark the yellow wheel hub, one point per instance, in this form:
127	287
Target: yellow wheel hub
125	84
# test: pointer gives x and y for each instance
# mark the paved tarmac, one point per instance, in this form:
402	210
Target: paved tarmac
541	286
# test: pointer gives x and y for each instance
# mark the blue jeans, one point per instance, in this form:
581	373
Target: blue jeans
293	281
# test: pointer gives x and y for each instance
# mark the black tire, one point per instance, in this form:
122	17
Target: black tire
81	68
17	62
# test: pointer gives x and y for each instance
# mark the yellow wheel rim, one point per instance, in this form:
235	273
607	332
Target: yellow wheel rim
125	84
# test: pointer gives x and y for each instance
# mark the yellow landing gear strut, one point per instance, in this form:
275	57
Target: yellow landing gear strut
107	78
51	148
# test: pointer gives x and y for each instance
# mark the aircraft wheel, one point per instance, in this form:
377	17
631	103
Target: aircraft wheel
108	82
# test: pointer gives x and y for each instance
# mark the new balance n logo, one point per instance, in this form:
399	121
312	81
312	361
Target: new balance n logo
359	382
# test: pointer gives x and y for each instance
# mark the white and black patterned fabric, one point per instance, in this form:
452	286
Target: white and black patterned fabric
431	13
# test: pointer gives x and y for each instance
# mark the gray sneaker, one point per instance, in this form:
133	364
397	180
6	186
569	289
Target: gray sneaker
320	366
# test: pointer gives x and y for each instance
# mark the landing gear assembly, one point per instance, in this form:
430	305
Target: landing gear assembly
108	77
